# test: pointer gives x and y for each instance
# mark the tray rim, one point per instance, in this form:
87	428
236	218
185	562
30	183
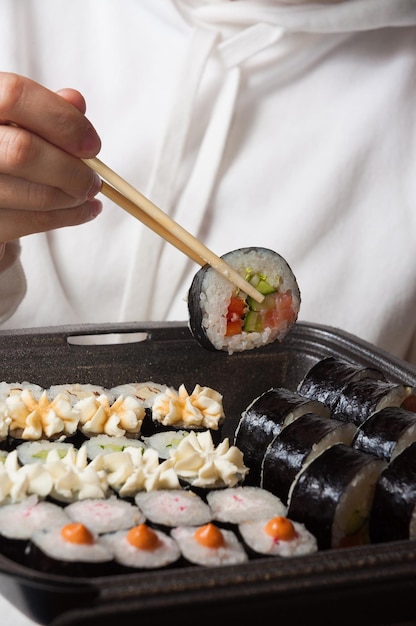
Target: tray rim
393	561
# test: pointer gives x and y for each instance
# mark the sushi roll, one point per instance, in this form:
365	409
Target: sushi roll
209	545
201	465
173	507
99	416
20	520
70	549
200	409
37	451
142	547
361	398
106	444
393	512
240	504
277	536
386	433
333	496
105	515
298	444
165	442
328	377
145	391
79	391
222	317
264	419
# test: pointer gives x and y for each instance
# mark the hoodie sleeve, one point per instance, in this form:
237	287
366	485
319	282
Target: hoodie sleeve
12	280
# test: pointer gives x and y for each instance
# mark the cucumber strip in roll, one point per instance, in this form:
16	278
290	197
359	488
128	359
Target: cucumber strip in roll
263	420
393	512
333	496
327	378
297	444
386	433
222	317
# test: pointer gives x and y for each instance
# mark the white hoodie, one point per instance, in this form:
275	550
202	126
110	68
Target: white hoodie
253	123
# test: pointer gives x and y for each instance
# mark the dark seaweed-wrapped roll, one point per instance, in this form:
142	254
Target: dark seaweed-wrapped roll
386	433
327	378
361	398
209	545
142	547
333	496
297	444
393	512
222	317
71	549
263	420
241	504
20	520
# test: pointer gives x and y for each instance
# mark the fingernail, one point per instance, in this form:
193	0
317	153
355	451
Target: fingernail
95	187
95	208
92	143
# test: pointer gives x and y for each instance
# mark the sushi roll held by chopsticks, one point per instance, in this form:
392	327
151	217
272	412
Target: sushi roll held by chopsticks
223	317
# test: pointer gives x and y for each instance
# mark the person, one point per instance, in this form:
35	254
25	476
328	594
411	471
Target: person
286	124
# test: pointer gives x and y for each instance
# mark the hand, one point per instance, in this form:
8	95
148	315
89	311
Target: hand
43	183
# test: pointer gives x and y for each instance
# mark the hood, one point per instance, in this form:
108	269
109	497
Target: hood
342	16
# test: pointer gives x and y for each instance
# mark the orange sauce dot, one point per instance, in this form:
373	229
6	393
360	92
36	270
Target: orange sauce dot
143	537
209	536
280	528
77	533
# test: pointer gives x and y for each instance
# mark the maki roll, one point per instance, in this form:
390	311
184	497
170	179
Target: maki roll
209	545
20	520
361	398
393	512
278	536
222	317
166	441
37	451
173	507
240	504
142	547
104	515
263	420
327	378
386	433
298	444
70	549
106	444
333	496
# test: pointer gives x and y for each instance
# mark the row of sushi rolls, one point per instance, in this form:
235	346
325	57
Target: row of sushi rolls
97	480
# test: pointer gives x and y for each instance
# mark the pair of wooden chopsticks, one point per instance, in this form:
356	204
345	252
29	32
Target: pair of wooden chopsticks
130	199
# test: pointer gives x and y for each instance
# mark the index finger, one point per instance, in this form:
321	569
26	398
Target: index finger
27	104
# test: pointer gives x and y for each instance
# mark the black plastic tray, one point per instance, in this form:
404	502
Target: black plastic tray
373	584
